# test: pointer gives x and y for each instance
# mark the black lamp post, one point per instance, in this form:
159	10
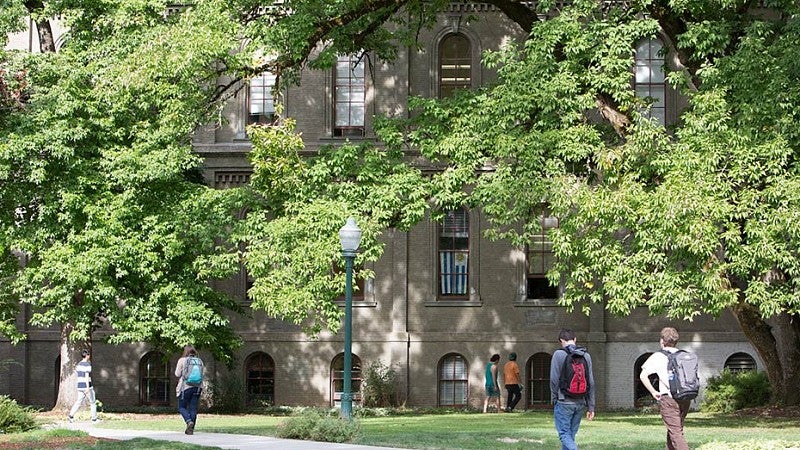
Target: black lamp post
350	237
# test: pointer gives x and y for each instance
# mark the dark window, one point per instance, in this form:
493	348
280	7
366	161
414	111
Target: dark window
641	396
649	78
455	64
740	362
540	259
453	242
260	380
262	99
337	379
358	283
154	379
539	380
349	97
453	382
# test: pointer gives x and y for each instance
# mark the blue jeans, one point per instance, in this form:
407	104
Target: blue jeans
187	404
568	418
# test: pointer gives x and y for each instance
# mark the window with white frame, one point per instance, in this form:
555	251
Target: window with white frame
349	97
261	99
337	379
154	379
539	260
453	250
649	83
453	380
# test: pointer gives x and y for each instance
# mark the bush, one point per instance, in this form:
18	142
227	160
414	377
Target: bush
225	394
15	418
379	386
730	391
313	425
750	445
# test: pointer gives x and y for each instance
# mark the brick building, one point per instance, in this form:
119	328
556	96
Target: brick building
443	298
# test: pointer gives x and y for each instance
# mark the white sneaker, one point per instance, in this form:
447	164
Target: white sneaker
96	420
70	419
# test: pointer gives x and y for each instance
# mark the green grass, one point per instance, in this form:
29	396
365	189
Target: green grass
529	430
71	439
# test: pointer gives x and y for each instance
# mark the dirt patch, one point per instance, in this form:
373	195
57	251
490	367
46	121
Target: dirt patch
770	412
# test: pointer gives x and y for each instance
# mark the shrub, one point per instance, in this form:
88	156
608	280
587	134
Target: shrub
730	391
313	425
750	445
225	394
15	418
379	386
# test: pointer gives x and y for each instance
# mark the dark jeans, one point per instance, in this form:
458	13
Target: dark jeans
673	412
514	396
187	404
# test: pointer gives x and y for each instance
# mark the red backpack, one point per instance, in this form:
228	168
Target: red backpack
574	381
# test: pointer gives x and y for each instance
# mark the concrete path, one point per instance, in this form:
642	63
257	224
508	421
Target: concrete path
220	440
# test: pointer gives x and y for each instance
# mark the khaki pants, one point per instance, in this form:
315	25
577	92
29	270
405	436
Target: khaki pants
673	412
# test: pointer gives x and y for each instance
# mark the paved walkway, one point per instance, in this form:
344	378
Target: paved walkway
220	440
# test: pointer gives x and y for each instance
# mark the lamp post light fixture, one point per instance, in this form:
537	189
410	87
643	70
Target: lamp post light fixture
350	238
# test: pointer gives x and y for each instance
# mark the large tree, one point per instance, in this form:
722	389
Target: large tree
101	194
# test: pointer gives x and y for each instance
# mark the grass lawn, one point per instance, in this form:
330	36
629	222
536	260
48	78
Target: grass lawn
528	430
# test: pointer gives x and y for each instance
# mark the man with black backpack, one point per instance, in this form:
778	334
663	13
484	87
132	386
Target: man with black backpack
678	384
572	388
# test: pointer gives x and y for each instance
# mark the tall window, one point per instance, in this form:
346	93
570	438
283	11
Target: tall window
453	382
337	379
262	99
154	379
349	97
453	243
539	259
539	379
649	77
260	379
455	64
641	396
740	362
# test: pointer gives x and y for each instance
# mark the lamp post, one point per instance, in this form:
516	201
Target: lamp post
350	237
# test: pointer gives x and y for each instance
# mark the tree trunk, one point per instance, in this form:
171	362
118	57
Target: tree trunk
47	41
777	341
70	356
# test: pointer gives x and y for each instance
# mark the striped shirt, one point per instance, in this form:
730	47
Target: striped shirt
84	373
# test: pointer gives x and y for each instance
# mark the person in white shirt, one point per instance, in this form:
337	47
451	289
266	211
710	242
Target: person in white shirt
673	412
83	372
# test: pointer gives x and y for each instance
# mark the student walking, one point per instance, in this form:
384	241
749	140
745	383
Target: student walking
189	371
572	388
83	372
491	385
511	380
673	412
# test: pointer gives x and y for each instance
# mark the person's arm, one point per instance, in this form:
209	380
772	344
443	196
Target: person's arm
494	376
179	367
555	374
592	390
644	377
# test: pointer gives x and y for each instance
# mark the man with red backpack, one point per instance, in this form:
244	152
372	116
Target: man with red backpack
572	388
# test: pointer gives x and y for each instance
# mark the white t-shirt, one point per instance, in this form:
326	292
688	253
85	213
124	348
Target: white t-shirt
657	364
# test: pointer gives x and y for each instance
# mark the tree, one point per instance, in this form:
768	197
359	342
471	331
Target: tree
100	189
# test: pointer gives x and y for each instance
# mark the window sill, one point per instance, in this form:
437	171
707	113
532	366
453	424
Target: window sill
526	302
358	303
455	303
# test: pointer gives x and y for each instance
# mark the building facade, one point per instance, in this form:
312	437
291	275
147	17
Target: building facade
443	299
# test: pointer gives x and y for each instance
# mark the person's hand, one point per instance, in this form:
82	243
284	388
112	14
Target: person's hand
590	415
657	396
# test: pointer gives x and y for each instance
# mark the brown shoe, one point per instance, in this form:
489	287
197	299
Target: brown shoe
189	428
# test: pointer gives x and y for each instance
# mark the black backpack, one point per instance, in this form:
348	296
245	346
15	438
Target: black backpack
574	382
684	384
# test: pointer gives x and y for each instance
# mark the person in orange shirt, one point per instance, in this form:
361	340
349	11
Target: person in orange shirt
512	382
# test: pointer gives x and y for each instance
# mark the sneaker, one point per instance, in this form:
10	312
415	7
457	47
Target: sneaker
70	419
95	420
189	428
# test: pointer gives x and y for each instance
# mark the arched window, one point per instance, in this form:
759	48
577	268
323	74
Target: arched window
649	77
539	379
453	243
740	362
453	381
154	379
641	396
259	369
337	379
455	64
